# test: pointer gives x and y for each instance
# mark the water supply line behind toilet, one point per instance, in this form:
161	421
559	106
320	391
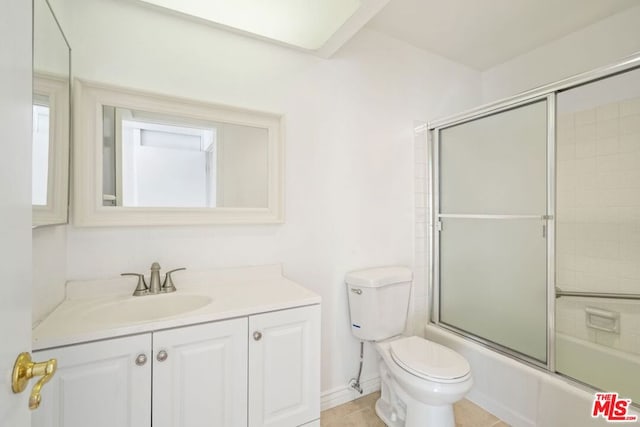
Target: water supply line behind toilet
354	383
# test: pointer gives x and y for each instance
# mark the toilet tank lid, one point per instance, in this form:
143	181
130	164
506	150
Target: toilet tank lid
379	276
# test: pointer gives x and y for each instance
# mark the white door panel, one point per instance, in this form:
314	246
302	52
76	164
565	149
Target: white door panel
15	203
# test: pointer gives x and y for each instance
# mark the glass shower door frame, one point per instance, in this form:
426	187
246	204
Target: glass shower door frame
547	220
549	92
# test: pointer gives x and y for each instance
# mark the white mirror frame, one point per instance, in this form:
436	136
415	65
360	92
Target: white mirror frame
56	89
89	98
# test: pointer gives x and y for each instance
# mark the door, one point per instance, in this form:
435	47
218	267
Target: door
200	375
100	384
493	213
284	367
597	314
15	202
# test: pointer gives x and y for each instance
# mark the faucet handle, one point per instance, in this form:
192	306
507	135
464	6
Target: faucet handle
141	288
168	285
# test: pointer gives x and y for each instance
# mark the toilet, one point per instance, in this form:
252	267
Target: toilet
420	380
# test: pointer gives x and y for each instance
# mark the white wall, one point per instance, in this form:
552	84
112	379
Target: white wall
349	150
600	44
49	267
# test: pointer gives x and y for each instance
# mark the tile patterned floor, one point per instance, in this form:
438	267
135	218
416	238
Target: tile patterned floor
361	413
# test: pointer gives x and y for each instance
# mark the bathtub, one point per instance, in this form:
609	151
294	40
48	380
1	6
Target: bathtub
603	367
522	395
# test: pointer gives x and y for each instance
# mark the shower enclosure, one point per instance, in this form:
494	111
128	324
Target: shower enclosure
536	218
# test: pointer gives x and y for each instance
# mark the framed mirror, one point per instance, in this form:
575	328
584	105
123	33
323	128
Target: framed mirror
149	159
51	118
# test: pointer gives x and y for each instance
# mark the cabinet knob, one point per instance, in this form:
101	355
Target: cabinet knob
141	359
257	335
162	356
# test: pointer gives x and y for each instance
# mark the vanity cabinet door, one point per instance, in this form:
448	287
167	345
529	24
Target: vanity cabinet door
100	384
200	375
284	367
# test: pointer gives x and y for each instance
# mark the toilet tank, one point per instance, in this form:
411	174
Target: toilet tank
378	301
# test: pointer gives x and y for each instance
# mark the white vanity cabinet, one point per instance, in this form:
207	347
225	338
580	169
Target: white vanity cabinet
256	370
98	384
200	375
284	367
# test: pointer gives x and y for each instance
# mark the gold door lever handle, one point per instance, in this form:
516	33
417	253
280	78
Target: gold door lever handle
25	369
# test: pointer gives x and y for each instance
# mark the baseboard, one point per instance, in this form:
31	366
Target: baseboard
344	394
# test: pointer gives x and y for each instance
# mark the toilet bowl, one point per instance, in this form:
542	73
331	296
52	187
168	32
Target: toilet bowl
420	382
420	379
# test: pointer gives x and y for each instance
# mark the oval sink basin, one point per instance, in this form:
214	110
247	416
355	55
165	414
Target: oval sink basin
148	307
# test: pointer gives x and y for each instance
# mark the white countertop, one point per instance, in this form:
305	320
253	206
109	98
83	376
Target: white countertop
234	292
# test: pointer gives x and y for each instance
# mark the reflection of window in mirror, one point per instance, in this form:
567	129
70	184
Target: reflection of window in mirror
50	149
164	165
150	159
40	150
154	161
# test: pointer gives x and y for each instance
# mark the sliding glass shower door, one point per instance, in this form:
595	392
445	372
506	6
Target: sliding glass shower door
536	243
492	208
598	234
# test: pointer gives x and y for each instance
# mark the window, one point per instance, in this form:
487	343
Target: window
40	151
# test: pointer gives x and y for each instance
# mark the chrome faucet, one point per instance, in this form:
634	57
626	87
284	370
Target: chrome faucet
154	281
154	287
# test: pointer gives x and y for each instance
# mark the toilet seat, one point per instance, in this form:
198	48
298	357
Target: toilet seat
429	360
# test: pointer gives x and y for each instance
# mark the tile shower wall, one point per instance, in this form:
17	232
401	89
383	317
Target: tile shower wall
419	300
598	213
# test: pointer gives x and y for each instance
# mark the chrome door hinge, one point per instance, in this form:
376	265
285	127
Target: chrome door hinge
439	225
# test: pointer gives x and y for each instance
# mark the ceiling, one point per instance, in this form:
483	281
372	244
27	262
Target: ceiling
485	33
316	26
307	24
